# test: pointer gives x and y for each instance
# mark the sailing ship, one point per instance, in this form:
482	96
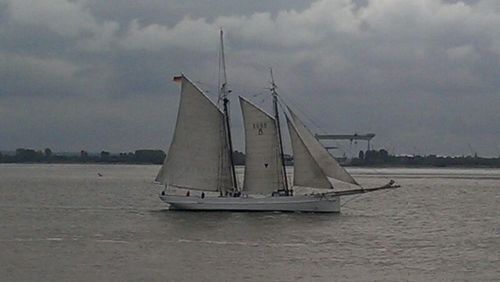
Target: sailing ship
200	158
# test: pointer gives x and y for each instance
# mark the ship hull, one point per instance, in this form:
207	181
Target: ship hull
306	203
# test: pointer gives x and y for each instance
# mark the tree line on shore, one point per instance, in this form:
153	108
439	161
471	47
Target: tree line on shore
365	158
23	155
383	158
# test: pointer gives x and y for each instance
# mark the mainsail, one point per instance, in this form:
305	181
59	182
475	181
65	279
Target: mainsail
263	166
313	165
198	155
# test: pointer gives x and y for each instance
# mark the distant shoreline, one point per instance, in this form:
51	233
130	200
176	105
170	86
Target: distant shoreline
288	166
372	158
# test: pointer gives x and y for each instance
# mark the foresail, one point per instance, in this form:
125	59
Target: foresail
263	166
198	155
306	171
325	162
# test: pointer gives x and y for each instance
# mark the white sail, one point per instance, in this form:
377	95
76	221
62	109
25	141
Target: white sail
263	166
198	155
310	150
306	171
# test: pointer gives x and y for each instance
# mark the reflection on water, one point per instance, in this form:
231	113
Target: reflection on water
65	222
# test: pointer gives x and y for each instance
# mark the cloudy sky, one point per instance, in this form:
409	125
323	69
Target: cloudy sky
423	75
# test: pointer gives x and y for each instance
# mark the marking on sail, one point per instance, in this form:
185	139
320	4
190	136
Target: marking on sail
259	125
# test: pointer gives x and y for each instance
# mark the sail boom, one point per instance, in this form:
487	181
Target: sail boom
390	185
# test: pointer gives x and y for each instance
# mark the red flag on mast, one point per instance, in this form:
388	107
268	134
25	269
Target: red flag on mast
178	78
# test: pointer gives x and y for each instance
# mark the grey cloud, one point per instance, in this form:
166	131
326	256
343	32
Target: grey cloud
45	77
171	12
66	18
423	75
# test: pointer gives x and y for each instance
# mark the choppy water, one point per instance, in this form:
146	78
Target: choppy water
65	223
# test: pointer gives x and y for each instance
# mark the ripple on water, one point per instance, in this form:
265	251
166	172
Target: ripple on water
65	223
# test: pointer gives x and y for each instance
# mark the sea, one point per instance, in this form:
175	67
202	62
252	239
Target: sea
72	222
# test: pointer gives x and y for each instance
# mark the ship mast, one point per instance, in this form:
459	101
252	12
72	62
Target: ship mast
280	139
223	93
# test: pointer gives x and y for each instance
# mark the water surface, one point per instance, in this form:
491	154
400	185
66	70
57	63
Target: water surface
66	223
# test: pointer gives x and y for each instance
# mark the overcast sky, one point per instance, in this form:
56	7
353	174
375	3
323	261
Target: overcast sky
423	75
